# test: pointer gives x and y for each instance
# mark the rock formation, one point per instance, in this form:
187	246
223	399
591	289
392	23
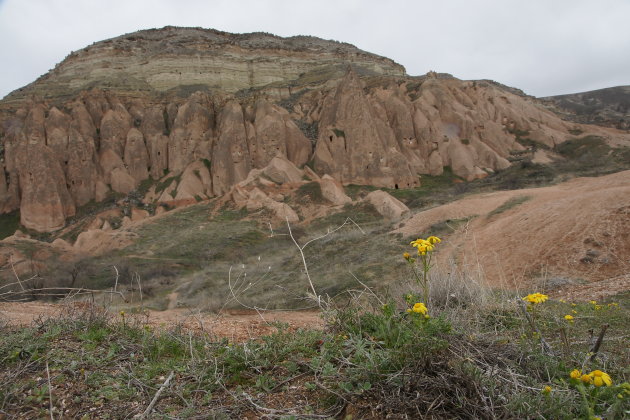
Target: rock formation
192	112
386	205
184	59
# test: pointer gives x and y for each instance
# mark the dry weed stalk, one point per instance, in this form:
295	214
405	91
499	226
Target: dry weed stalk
301	248
546	347
49	392
239	285
66	293
156	396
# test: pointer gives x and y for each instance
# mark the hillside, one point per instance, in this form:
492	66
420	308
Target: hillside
609	107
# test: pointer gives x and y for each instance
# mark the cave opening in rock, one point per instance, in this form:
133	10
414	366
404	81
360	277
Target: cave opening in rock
396	186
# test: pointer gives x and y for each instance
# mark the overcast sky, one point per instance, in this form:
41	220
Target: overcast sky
544	47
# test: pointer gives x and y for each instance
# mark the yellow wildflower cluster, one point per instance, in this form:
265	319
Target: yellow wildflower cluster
419	308
596	377
425	245
535	298
569	318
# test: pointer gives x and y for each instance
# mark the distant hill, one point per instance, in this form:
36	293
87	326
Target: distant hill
609	107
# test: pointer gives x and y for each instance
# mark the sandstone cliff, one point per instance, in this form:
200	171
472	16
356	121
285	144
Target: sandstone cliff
185	59
369	124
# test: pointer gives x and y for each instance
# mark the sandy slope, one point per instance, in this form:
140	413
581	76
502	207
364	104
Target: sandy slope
574	232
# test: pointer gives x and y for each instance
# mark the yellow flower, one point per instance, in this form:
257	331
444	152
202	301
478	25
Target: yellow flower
427	316
409	310
562	301
586	379
546	390
598	307
420	308
575	374
434	240
406	256
600	378
419	242
122	313
568	318
592	302
574	311
536	298
423	246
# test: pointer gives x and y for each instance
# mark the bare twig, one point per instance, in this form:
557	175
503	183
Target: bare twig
242	289
367	288
15	272
301	249
49	392
595	349
140	289
565	341
271	412
61	291
157	396
19	282
115	284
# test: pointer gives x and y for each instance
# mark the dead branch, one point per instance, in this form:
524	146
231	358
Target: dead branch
115	284
157	396
49	392
61	291
595	349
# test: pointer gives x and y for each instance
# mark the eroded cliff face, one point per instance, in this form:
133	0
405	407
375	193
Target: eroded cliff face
55	160
186	59
384	130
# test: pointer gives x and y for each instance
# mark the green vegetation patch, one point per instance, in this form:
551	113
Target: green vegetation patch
162	185
509	204
591	156
447	226
533	144
387	356
579	148
311	191
339	133
9	223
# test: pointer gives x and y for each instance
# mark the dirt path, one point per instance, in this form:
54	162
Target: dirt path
233	325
